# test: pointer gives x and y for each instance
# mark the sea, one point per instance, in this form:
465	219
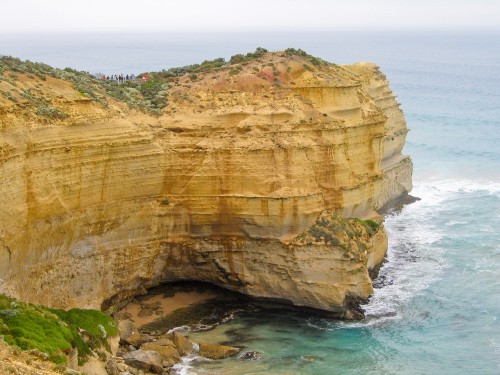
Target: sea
436	304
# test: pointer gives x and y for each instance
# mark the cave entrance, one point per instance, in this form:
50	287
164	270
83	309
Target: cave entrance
168	306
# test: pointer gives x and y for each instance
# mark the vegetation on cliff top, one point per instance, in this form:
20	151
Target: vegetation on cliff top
150	95
54	331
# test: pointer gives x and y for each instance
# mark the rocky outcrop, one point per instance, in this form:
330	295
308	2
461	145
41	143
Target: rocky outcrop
183	345
217	351
166	348
147	360
104	201
129	334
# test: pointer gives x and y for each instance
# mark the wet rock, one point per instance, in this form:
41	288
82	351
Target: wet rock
216	351
353	315
166	348
129	334
184	345
251	356
147	360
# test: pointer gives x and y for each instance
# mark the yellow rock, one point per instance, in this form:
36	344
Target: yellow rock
110	200
182	343
216	351
166	349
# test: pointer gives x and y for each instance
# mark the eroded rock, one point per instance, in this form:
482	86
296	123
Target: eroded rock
216	188
216	351
129	334
166	348
147	360
183	344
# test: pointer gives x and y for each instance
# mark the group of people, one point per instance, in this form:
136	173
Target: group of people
120	78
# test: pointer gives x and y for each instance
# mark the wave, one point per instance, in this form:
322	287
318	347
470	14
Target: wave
415	257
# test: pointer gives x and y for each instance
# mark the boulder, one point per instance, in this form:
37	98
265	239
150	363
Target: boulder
116	366
129	334
216	351
147	360
166	348
183	344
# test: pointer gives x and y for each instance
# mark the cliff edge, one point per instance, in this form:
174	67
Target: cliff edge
242	174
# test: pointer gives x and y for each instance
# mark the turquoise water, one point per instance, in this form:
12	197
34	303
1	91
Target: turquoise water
436	306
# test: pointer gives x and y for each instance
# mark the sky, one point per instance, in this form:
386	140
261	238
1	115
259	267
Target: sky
26	16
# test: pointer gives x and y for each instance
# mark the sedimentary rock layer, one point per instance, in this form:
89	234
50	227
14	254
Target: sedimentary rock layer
110	200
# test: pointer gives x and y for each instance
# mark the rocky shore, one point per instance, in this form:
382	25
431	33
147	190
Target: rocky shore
155	327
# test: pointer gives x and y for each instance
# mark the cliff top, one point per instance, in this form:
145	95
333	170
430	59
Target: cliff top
42	93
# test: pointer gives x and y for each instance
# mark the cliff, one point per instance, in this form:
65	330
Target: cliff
218	177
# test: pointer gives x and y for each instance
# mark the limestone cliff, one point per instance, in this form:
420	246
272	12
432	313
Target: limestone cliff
99	200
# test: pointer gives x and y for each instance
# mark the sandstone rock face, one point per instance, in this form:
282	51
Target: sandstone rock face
109	201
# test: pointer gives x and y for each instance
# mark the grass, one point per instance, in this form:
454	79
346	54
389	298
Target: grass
371	226
54	331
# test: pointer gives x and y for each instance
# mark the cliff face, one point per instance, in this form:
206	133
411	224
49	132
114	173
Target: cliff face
104	201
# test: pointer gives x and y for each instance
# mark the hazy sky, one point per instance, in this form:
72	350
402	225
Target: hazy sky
245	15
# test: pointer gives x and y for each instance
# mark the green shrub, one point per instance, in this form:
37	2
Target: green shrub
372	224
307	67
236	59
50	112
53	331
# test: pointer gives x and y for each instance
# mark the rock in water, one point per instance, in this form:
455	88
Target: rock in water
166	349
147	360
216	351
224	183
184	345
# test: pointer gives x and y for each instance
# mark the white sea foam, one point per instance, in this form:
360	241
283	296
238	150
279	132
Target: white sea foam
179	329
185	367
415	259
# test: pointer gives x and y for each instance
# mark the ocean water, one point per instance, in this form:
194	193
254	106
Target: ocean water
436	306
